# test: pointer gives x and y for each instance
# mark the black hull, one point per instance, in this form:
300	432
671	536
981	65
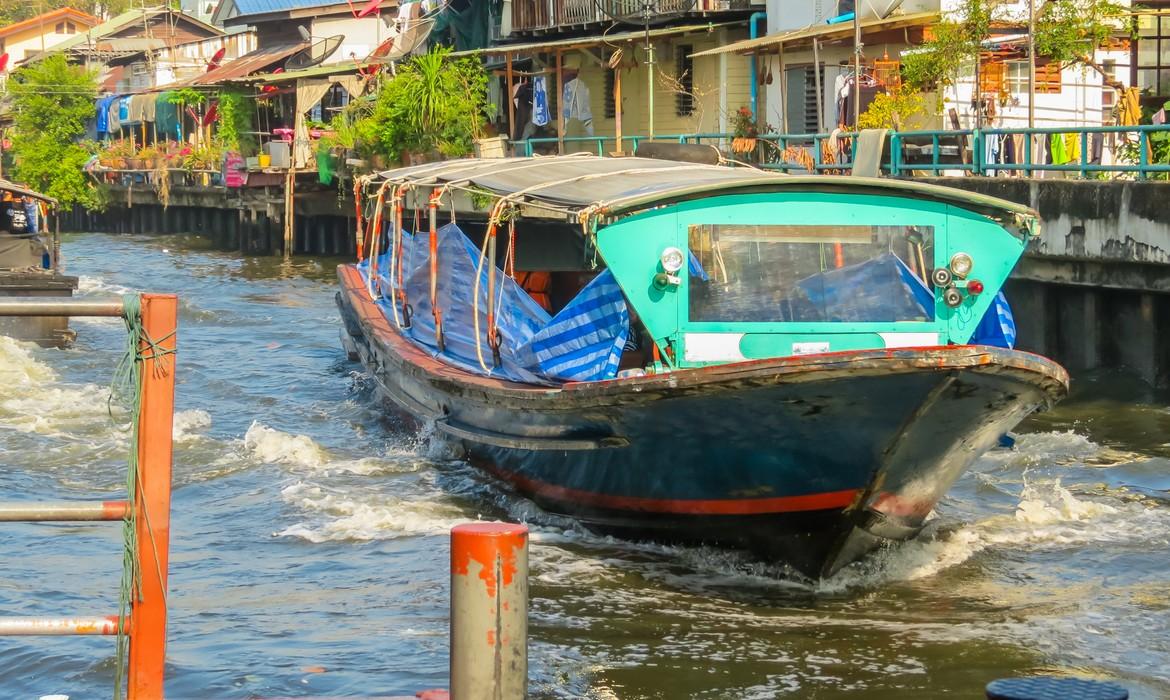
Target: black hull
811	460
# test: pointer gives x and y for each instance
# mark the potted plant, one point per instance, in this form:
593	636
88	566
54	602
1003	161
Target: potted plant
745	131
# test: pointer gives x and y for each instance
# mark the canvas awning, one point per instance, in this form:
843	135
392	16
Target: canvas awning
242	67
581	183
824	33
598	40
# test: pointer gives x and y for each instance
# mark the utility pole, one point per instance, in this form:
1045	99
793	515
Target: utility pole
856	63
1031	65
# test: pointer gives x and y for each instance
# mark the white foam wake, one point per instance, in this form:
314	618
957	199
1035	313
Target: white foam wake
348	516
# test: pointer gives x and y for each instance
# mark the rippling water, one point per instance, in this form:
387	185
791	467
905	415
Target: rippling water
309	551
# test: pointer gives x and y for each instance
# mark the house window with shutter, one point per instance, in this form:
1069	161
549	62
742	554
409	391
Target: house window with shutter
684	73
991	77
610	105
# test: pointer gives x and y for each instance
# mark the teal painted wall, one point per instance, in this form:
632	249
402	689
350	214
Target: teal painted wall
632	248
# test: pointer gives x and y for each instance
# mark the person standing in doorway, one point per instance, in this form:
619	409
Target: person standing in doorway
576	112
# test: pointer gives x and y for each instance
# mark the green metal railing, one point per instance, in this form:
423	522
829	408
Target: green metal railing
938	152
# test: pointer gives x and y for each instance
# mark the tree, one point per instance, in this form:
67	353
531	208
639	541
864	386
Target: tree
52	101
18	11
1067	31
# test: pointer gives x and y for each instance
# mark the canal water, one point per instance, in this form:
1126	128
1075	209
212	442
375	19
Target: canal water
309	550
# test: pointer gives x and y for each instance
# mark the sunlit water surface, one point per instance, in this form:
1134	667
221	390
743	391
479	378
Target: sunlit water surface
309	549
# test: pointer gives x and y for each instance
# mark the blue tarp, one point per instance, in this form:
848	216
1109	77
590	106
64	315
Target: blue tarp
103	115
998	326
583	342
880	289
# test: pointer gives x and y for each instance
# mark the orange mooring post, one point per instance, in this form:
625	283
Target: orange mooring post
152	503
489	611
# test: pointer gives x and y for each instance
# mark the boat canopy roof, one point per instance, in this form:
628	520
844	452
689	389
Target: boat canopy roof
22	191
583	184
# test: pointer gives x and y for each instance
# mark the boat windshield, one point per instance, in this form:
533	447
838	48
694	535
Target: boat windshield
785	273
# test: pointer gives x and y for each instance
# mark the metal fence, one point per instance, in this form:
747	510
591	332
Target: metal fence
1139	152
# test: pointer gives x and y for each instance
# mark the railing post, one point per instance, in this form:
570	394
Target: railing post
1143	154
1029	144
1084	153
895	154
977	153
152	502
489	611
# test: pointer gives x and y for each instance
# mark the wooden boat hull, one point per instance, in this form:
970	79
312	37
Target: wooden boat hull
814	460
48	331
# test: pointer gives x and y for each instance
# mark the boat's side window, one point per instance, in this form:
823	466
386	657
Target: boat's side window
784	273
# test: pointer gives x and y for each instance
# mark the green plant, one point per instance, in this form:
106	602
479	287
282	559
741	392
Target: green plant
433	103
235	122
51	101
893	110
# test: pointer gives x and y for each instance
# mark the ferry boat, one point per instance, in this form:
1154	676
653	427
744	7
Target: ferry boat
30	264
694	353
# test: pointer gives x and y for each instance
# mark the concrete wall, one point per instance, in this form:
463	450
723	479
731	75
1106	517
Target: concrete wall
1114	221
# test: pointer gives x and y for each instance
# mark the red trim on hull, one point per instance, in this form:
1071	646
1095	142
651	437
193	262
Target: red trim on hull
832	500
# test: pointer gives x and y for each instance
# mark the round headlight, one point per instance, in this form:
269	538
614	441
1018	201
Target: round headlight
961	264
672	260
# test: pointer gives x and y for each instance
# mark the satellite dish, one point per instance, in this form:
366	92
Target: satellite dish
643	13
216	58
3	61
314	54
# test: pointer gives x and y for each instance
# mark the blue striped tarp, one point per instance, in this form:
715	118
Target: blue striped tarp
584	341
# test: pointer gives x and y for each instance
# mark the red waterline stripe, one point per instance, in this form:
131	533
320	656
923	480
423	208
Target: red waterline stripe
724	506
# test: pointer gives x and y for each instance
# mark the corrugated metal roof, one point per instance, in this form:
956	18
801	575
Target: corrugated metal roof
123	20
596	40
823	32
259	7
258	60
619	185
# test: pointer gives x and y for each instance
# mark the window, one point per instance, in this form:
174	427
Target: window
684	73
1014	77
60	29
610	104
1151	54
783	273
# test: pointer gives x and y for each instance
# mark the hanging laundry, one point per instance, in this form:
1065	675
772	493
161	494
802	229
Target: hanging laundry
1129	112
1072	146
1159	117
1058	149
540	113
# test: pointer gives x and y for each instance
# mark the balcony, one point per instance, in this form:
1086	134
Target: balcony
550	16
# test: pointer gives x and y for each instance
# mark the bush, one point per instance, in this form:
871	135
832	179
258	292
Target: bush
432	104
52	101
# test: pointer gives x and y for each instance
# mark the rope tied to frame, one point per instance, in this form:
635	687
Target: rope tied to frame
126	391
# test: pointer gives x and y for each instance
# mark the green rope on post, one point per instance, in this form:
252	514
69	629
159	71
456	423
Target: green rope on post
127	391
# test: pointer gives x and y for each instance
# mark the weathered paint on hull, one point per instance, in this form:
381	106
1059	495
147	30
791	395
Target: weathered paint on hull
812	460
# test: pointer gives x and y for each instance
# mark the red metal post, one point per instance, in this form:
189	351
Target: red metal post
148	618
